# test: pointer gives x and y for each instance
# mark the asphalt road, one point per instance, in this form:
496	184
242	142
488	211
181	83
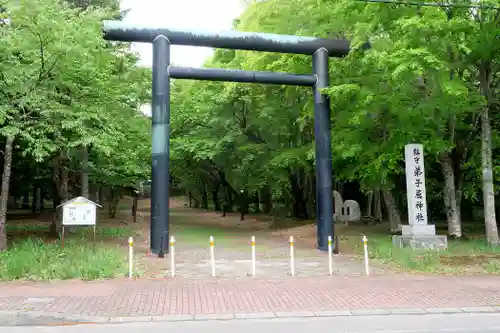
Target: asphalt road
450	323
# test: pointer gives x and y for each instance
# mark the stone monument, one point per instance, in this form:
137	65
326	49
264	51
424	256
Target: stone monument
351	211
418	233
339	202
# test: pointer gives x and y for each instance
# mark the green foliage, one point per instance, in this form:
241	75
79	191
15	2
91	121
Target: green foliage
64	87
70	101
122	232
463	257
33	259
417	83
427	77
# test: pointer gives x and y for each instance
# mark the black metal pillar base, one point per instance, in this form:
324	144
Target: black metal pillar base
323	140
161	150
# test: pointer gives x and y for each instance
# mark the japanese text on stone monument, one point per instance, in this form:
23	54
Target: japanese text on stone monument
415	184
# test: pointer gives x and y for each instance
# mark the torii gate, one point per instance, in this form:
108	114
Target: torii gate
162	38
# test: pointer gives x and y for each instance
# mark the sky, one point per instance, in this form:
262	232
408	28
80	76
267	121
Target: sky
208	15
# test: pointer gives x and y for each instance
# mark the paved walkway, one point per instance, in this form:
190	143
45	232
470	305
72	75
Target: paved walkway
194	263
174	297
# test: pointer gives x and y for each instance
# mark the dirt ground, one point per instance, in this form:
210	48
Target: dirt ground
192	229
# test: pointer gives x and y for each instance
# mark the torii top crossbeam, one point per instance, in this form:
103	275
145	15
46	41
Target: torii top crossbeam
235	40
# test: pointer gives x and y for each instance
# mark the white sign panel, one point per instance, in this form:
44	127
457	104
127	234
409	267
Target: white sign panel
415	184
79	213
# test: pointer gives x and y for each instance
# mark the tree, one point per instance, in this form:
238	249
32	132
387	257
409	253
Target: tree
418	83
73	90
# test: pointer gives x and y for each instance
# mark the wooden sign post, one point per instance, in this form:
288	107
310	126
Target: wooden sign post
79	211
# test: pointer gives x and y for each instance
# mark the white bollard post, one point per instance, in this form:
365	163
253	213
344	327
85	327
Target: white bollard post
365	248
292	257
130	257
212	255
172	256
253	255
330	267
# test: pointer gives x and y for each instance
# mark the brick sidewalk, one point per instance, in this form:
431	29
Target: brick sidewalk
220	296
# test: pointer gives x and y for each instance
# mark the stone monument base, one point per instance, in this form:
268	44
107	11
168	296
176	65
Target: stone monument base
428	242
418	230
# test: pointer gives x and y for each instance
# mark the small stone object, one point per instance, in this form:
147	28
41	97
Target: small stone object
351	211
339	202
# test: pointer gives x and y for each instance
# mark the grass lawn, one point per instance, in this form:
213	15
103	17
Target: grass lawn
34	259
188	230
196	235
23	230
462	257
32	255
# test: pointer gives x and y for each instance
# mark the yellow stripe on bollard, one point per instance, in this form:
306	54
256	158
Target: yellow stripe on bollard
330	266
365	250
292	257
130	257
252	242
172	256
212	254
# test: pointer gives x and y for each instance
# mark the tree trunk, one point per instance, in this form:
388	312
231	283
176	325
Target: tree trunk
204	198
458	195
256	202
135	203
60	181
64	180
215	198
84	173
39	200
369	202
12	202
4	197
114	199
196	204
392	211
42	197
99	194
486	152
26	199
299	208
274	212
243	204
56	199
378	206
449	196
64	186
36	204
34	198
265	197
228	198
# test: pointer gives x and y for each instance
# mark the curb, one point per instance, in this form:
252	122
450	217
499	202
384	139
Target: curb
37	318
